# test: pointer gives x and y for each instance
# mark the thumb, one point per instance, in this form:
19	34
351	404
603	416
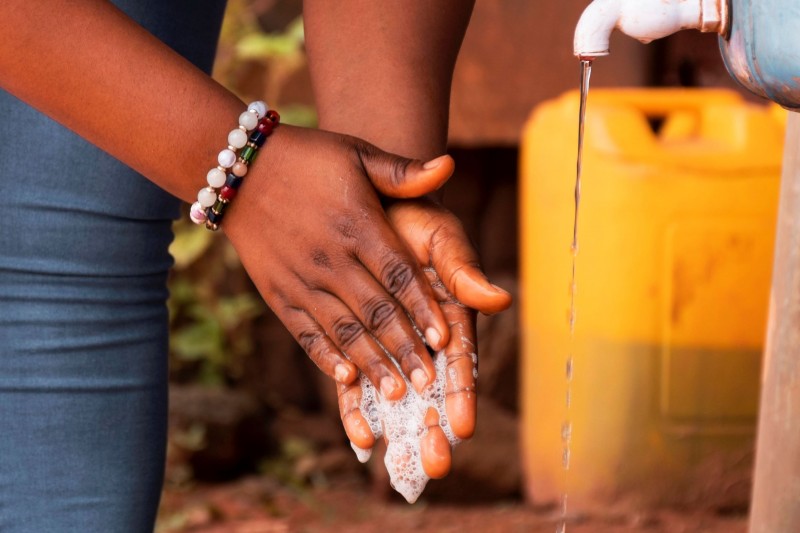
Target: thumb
456	263
436	237
400	177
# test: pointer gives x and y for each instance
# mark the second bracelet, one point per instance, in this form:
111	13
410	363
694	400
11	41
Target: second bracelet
224	180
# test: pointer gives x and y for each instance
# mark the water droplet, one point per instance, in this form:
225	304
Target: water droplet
566	432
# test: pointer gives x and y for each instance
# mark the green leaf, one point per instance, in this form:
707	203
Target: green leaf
236	309
199	340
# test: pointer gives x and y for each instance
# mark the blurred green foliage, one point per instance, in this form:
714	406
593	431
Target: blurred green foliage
213	306
258	64
210	320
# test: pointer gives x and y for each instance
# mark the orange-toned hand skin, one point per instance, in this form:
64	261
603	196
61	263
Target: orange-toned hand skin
435	234
307	223
435	448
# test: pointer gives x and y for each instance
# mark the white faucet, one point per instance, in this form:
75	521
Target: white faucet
645	20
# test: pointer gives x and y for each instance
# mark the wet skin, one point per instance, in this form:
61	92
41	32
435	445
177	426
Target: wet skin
438	242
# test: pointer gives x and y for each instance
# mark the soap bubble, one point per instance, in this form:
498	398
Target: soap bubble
404	424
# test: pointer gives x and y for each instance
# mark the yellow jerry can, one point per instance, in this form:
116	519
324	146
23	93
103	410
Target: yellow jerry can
676	230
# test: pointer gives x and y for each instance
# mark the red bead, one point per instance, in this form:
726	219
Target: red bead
265	126
227	194
274	116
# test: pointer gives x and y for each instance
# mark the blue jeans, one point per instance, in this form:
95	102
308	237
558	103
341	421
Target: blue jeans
83	321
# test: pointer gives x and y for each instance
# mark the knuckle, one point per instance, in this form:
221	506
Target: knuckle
397	275
348	226
406	349
440	238
350	412
398	169
456	360
375	369
361	150
321	259
312	342
458	272
379	313
346	331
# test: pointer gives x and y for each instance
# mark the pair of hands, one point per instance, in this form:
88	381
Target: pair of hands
346	276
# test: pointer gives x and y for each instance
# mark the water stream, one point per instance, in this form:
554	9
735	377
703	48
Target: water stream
566	426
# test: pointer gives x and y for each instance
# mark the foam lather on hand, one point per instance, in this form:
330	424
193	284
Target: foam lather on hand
403	423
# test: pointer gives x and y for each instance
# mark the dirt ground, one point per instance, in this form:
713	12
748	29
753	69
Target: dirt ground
261	505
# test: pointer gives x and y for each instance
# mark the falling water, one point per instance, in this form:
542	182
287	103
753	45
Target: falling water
566	427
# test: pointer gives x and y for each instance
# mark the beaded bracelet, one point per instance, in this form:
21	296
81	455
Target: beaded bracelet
255	125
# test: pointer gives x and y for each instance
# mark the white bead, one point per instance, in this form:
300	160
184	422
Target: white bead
248	120
197	214
259	107
216	178
237	138
206	197
226	158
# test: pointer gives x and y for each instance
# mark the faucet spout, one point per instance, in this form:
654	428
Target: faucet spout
645	20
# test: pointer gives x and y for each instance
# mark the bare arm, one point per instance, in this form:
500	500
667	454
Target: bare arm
382	70
99	73
320	250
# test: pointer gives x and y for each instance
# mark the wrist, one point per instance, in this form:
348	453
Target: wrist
233	162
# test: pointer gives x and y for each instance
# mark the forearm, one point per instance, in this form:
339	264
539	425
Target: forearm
382	70
91	68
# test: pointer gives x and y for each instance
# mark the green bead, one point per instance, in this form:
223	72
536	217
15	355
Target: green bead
248	154
219	206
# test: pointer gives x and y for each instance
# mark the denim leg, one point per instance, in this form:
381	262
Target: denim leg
83	319
83	402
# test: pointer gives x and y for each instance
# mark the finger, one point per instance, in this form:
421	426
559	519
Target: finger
352	339
396	271
355	425
462	372
318	345
434	450
461	368
400	177
387	322
437	237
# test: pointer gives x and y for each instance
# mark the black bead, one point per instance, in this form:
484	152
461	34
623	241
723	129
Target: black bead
213	217
233	181
258	138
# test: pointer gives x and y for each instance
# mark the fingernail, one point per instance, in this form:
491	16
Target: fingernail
433	338
499	289
341	373
419	379
433	163
388	385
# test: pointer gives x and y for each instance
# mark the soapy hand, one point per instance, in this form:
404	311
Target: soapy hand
437	240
